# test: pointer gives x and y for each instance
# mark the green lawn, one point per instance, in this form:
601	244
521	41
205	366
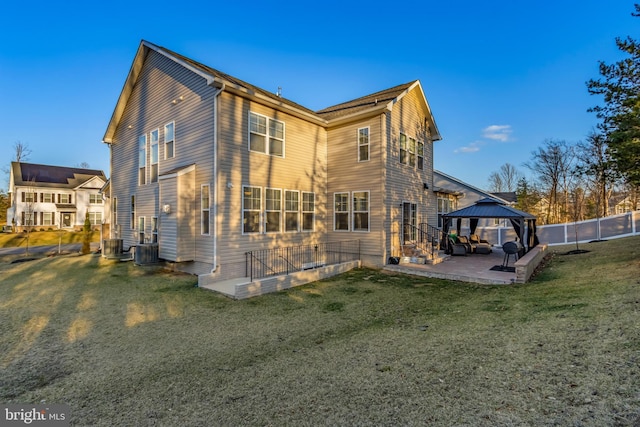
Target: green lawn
127	345
43	238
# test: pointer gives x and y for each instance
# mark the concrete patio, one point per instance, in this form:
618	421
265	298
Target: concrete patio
476	268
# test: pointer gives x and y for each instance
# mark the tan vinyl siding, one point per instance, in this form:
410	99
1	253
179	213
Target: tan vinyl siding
150	107
404	182
347	174
303	168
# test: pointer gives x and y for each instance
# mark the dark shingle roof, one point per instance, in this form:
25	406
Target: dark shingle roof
489	208
233	80
366	102
58	176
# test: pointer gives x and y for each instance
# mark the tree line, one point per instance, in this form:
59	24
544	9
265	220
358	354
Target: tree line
573	182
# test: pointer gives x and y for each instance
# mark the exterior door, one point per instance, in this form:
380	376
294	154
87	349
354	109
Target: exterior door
66	219
409	221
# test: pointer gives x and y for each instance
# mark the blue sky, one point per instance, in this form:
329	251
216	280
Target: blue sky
500	76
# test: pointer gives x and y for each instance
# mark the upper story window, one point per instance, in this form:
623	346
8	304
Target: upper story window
411	152
169	140
95	199
155	138
28	197
266	135
363	144
46	197
64	198
142	159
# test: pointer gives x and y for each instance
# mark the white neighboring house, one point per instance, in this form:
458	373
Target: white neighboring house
47	196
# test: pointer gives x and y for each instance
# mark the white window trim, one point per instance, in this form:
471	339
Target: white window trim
348	211
280	210
157	163
286	211
204	209
173	123
260	210
145	159
132	212
267	136
313	213
44	218
154	229
44	198
368	144
141	230
418	156
353	212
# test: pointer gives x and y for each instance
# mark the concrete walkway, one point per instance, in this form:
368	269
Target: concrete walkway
66	248
474	268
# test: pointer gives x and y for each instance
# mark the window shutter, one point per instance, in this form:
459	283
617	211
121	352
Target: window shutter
70	201
23	196
58	197
22	216
41	197
35	218
41	217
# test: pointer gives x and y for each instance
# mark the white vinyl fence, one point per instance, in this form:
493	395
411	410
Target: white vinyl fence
611	227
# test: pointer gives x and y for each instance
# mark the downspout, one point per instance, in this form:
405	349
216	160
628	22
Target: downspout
215	179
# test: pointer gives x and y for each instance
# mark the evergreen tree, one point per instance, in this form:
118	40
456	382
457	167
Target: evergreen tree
620	114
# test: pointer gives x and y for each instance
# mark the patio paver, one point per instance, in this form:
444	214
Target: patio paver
474	268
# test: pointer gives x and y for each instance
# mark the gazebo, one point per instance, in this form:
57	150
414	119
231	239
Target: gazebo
523	223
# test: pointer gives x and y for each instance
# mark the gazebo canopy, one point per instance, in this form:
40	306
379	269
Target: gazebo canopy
492	208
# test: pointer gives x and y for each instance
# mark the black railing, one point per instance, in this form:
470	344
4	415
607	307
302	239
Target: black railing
281	261
425	237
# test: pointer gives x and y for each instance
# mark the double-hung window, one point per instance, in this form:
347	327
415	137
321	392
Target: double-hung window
412	152
64	198
251	206
266	135
155	139
308	211
29	197
132	221
360	211
154	229
291	210
95	218
169	140
363	144
141	229
47	197
47	218
403	149
273	210
95	199
142	159
341	212
205	218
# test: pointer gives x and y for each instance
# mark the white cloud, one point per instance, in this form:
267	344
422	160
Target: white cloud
497	132
471	148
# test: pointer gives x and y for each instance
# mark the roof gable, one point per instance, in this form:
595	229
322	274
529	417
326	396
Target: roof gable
351	110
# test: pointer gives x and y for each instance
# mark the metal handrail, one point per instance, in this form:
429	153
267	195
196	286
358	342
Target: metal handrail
283	261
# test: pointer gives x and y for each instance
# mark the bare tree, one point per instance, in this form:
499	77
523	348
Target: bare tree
83	165
596	166
506	179
21	153
552	165
29	211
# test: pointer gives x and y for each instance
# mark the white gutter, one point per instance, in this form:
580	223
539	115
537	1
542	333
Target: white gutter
216	181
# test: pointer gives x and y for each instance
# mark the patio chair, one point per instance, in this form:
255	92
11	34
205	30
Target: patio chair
457	248
481	246
465	241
